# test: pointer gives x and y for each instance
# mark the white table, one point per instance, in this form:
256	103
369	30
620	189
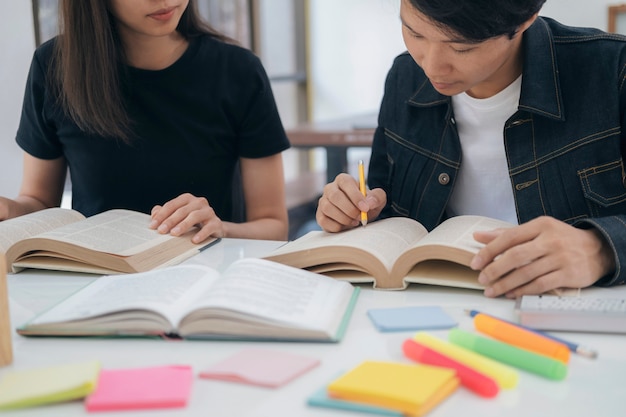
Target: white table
592	387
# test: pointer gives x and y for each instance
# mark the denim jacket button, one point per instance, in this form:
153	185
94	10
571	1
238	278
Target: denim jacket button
444	179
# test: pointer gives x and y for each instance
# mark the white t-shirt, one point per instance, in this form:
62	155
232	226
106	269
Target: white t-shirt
483	185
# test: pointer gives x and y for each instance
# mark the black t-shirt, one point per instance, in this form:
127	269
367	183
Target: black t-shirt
191	122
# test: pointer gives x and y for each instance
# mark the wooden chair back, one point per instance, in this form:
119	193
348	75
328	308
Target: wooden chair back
6	344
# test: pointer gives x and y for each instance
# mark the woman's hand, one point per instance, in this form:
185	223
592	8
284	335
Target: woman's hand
541	255
186	211
340	206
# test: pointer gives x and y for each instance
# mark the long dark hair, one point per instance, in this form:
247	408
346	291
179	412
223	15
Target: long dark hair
478	20
87	63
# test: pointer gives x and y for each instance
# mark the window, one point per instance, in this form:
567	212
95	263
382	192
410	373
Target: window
617	19
45	19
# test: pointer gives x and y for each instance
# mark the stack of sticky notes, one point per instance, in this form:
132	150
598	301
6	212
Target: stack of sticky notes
141	388
40	386
263	367
416	318
102	390
389	388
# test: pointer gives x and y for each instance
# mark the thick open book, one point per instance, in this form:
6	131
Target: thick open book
116	241
393	252
252	299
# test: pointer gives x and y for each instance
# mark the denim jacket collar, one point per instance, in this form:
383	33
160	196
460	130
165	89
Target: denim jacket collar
541	92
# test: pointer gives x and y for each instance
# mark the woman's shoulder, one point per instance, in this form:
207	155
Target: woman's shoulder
42	58
46	49
209	47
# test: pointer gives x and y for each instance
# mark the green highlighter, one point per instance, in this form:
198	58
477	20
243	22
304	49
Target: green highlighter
511	355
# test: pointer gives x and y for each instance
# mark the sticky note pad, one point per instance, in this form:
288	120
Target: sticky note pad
48	385
262	367
320	398
410	389
141	388
410	318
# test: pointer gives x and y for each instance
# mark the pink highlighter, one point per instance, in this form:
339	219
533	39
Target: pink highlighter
470	378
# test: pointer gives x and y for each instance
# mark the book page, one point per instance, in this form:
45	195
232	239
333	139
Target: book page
166	291
120	232
458	232
453	241
278	293
32	224
384	238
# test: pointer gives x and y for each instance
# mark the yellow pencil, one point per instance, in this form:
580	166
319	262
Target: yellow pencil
363	190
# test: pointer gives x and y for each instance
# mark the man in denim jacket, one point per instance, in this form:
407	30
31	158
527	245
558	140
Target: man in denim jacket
498	112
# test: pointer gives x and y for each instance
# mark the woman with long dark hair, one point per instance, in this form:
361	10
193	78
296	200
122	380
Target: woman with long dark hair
151	110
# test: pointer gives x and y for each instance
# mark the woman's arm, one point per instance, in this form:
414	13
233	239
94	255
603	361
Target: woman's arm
42	187
264	192
266	212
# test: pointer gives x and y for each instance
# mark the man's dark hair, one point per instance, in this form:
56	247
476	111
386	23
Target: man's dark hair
478	20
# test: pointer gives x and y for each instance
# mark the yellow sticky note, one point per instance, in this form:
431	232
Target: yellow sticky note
411	389
32	387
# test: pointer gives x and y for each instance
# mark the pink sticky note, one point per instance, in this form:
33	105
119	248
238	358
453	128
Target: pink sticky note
141	388
260	367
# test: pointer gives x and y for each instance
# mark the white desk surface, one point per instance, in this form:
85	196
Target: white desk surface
592	387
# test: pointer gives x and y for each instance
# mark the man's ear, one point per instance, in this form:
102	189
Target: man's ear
522	28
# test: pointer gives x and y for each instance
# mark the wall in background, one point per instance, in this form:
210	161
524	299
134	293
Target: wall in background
16	48
588	13
352	45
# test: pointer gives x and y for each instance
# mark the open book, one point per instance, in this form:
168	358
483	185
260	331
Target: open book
252	299
393	252
116	241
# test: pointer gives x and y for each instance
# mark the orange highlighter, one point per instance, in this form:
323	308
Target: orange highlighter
519	337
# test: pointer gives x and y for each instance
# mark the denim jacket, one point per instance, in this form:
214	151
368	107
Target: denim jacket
564	145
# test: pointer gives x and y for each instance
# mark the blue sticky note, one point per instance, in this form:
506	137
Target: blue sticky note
410	318
321	399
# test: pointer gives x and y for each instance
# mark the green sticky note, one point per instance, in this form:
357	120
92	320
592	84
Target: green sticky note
320	398
33	387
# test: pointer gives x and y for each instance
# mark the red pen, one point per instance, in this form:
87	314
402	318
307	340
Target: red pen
470	378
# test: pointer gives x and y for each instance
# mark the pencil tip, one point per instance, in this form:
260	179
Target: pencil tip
588	353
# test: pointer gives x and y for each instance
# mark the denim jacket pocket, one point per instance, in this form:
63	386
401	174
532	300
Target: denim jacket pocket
604	189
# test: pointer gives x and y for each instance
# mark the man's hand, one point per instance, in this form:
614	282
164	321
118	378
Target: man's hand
539	256
341	204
